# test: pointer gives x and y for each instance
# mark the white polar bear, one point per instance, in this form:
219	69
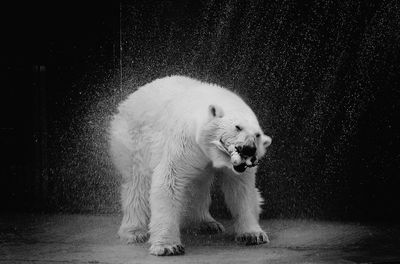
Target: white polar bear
167	140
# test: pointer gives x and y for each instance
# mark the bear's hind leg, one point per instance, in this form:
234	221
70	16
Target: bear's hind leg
136	211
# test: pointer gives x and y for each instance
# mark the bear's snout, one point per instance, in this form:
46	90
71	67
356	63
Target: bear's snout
246	150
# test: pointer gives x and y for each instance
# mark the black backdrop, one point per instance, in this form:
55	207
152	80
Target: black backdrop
322	76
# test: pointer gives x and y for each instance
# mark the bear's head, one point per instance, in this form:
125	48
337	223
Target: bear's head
233	140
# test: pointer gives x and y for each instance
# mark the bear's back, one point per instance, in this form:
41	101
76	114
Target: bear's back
188	95
181	99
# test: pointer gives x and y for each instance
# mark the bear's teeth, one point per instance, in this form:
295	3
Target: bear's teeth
232	149
235	158
248	162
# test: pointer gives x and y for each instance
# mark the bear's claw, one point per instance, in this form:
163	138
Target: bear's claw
167	250
255	238
212	227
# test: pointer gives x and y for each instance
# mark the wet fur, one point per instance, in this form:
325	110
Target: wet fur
161	142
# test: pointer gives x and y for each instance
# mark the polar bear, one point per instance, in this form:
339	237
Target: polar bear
168	139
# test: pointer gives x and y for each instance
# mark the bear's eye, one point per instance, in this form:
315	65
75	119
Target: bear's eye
238	128
258	135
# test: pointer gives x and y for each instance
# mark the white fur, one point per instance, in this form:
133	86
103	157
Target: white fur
165	141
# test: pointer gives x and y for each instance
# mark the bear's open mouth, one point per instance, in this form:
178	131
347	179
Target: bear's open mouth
240	168
242	161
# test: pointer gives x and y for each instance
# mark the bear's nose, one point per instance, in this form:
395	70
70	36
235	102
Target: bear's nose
247	151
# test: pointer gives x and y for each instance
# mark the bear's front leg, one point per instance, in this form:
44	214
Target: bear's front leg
243	200
200	200
166	208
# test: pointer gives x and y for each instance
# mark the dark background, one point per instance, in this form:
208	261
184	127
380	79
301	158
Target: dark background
322	76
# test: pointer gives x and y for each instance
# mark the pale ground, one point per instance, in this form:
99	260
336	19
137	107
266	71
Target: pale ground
92	239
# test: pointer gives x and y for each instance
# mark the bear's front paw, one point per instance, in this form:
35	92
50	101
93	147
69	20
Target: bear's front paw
212	227
167	250
253	238
133	236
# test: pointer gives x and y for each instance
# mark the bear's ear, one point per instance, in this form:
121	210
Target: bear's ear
266	140
215	111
